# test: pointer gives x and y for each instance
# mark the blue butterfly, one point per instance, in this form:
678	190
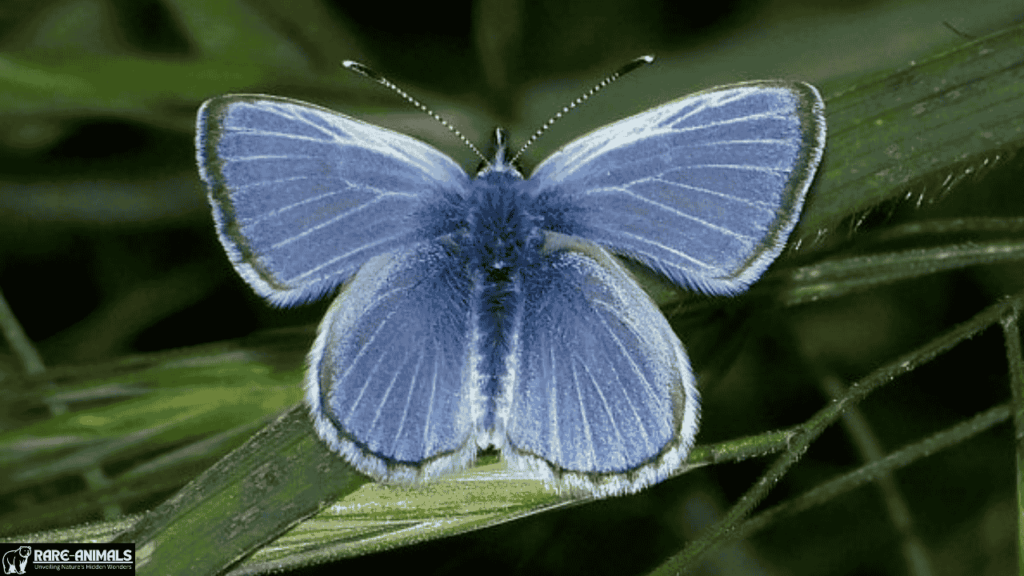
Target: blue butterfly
491	311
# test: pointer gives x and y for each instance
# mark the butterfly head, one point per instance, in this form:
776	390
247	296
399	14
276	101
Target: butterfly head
500	157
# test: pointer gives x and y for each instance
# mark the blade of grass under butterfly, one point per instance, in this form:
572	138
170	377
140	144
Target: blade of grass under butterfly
374	517
281	475
377	517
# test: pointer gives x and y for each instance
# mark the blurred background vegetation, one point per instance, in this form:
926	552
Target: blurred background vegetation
107	249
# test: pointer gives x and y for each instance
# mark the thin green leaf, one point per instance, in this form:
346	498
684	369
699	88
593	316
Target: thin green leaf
232	30
1015	359
918	130
838	277
281	475
725	528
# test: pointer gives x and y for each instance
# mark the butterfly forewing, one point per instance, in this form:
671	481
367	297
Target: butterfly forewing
303	196
705	189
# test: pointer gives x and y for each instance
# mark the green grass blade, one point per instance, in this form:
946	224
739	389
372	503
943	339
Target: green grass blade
281	475
918	130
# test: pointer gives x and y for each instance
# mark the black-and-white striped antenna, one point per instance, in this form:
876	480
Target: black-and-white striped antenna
373	75
641	61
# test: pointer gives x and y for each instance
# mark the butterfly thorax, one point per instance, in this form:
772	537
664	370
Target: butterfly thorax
500	224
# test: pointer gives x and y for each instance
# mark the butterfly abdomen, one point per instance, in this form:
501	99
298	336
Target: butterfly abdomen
502	239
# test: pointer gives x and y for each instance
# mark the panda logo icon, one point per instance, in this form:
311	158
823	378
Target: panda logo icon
15	561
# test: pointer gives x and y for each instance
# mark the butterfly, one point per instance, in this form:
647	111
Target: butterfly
492	311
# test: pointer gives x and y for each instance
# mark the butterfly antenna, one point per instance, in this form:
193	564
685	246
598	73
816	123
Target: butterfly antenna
641	61
373	75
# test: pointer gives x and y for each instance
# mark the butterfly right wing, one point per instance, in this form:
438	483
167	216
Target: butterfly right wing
704	189
604	401
390	382
302	196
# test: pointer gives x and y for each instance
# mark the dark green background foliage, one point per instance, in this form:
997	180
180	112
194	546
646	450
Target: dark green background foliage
107	251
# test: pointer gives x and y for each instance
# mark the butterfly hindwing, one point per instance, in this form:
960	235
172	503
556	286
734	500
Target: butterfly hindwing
704	189
388	383
302	196
604	399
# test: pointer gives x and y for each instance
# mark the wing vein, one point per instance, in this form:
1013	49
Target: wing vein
334	136
335	219
556	446
625	352
747	201
408	400
583	413
241	187
259	157
671	210
737	119
348	254
430	405
387	393
281	134
781	141
679	253
355	361
749	167
607	410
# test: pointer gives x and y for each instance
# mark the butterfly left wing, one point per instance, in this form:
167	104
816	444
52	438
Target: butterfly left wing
388	384
302	196
603	398
705	189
